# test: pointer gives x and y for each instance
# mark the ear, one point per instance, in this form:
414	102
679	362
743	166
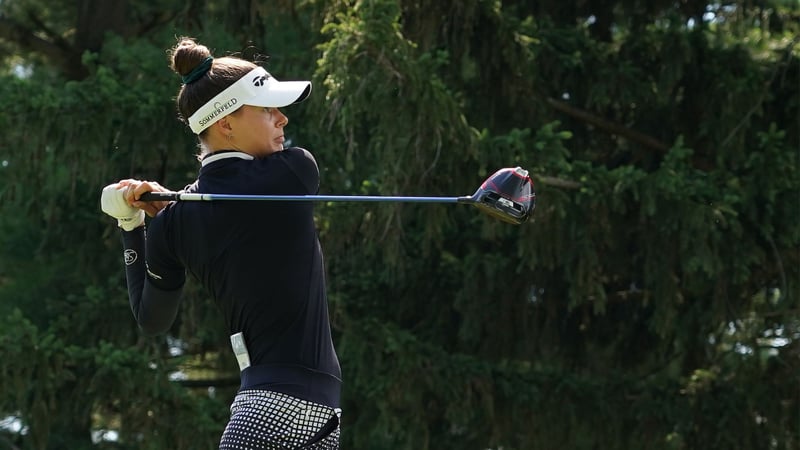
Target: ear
223	126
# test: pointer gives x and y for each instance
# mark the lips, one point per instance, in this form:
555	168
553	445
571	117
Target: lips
279	141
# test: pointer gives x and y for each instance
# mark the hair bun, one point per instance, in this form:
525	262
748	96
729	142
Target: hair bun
188	55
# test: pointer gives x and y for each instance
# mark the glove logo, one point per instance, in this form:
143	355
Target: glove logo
130	256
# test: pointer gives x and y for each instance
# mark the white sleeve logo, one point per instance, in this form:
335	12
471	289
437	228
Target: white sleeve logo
130	256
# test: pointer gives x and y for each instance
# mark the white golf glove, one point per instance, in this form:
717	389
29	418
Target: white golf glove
113	203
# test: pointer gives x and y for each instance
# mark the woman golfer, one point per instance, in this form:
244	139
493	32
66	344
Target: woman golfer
261	261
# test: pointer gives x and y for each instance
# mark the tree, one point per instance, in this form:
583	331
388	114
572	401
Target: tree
652	298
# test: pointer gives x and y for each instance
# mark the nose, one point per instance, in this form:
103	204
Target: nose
281	119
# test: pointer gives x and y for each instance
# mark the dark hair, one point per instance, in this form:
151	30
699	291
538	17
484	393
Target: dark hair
185	57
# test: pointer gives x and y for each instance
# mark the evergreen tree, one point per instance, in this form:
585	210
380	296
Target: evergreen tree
653	297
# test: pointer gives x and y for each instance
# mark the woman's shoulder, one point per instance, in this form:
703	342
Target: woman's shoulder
304	166
298	158
298	153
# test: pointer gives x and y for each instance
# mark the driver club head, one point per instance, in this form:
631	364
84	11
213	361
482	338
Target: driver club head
507	195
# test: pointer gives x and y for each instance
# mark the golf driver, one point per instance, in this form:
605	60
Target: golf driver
507	195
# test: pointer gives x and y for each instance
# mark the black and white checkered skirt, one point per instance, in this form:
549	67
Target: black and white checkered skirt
275	421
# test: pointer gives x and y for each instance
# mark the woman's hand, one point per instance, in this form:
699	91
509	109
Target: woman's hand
135	188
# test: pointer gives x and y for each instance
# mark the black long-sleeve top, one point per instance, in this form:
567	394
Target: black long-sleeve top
261	262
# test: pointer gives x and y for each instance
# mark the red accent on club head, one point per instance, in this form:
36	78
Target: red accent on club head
508	194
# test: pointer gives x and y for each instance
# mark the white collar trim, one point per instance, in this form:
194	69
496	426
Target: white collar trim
223	155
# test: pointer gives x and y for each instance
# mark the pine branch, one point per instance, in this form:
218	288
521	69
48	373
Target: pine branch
557	182
56	52
24	37
763	95
607	125
55	38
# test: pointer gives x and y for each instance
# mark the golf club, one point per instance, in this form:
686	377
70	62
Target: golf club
507	195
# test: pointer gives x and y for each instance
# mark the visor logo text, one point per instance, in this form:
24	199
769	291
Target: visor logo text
219	108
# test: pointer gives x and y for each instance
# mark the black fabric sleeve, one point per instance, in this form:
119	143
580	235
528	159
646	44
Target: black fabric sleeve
153	306
304	166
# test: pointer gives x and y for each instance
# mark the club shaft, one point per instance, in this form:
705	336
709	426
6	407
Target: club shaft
180	196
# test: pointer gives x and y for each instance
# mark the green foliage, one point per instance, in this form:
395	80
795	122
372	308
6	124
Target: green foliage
652	298
90	386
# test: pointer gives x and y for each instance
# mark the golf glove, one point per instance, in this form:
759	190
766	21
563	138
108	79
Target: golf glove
113	203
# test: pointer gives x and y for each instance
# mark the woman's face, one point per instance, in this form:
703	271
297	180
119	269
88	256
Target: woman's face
257	130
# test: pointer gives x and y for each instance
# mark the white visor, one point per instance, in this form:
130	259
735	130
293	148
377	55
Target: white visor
257	88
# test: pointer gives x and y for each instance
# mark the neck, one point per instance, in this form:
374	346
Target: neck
214	142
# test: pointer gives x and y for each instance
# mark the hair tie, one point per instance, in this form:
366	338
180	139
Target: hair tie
198	71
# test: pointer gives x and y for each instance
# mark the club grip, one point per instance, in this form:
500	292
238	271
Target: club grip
159	196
